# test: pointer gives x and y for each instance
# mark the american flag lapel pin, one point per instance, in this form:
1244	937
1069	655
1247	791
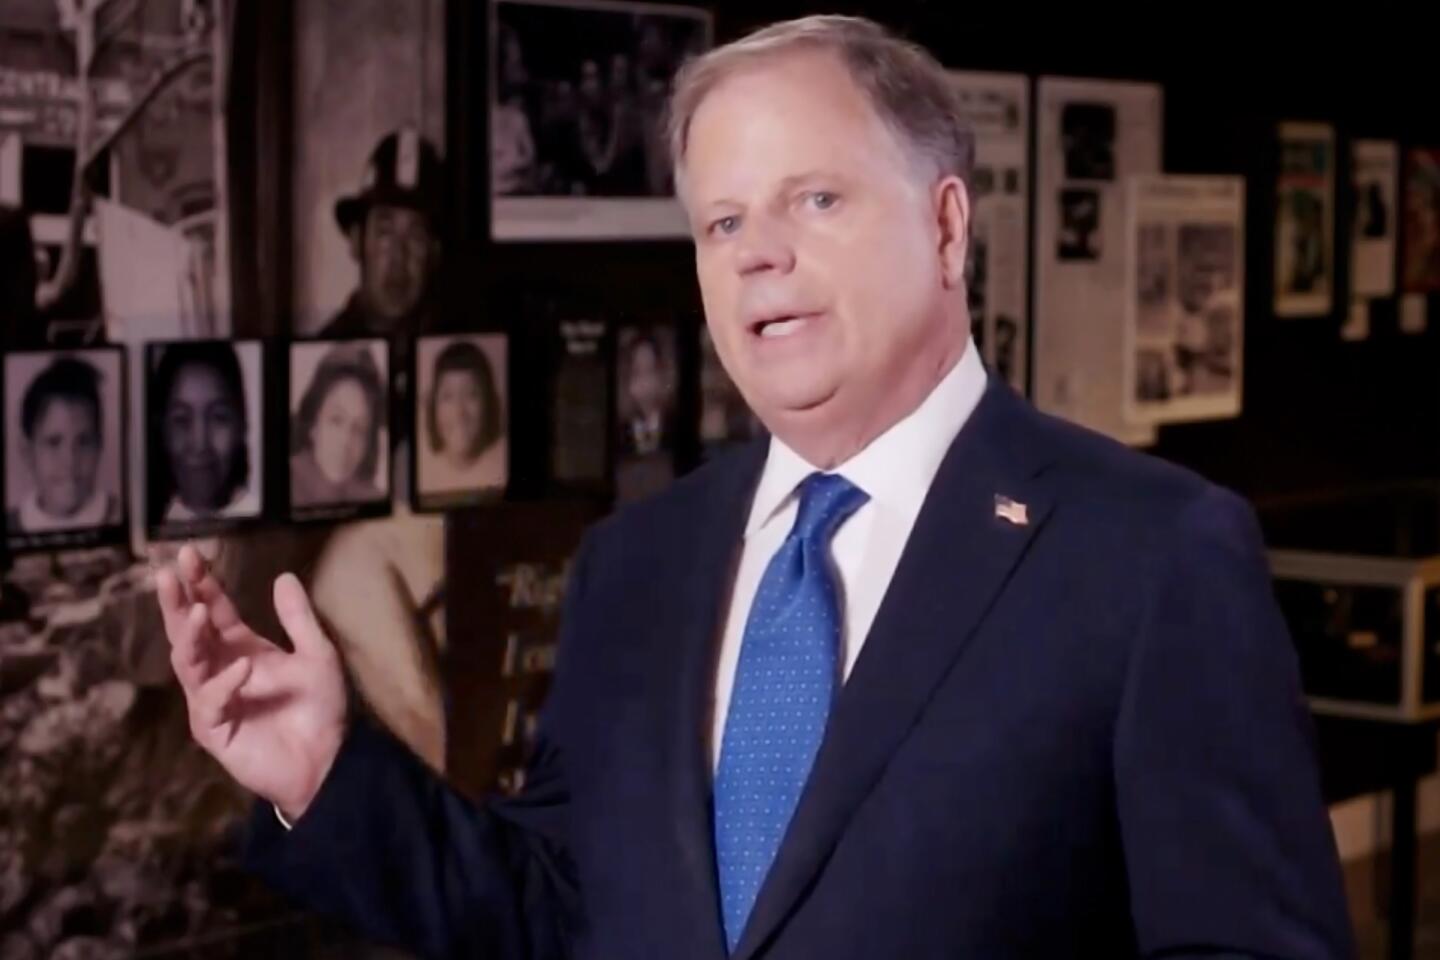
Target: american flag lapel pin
1011	511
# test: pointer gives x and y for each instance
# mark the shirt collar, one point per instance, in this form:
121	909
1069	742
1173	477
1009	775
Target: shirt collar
897	467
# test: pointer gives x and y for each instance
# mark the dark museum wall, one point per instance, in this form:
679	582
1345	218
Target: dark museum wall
1319	414
116	833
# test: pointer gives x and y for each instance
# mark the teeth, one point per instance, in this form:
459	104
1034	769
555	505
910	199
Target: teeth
781	328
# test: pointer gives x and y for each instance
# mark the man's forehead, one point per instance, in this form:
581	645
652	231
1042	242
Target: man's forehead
793	116
816	78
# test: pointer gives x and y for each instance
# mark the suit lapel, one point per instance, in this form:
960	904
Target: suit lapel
706	557
960	553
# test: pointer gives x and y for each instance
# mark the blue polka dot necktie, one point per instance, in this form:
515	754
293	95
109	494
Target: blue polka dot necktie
784	683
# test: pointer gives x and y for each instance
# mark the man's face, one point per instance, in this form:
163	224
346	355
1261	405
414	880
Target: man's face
820	251
397	254
65	455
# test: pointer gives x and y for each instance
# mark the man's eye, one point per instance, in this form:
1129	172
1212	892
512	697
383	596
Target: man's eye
725	225
823	199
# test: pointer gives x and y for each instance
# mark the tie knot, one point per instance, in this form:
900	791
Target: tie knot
826	499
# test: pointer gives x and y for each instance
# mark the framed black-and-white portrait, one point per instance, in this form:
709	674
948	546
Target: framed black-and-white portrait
65	448
205	436
580	384
461	419
577	102
646	379
339	437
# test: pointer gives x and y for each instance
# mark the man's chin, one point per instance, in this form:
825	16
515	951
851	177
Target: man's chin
800	408
805	397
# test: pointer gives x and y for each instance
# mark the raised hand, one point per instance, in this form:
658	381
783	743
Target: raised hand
274	720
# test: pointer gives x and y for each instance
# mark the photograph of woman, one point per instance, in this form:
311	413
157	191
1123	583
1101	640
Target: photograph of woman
64	450
460	416
339	398
203	416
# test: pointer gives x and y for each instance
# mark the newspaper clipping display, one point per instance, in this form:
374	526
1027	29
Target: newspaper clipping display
1185	313
1422	221
997	105
1092	135
1305	221
1375	170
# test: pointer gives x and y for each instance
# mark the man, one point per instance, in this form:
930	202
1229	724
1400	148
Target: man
925	675
393	228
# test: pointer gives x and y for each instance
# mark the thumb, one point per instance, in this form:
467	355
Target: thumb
297	616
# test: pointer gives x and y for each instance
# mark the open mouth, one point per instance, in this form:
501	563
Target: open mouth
783	325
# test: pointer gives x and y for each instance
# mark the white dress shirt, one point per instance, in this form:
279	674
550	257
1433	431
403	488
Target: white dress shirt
896	470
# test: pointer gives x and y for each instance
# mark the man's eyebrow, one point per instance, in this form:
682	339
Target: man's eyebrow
799	179
786	184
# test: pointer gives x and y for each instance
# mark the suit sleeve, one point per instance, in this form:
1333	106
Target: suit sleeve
388	848
1228	844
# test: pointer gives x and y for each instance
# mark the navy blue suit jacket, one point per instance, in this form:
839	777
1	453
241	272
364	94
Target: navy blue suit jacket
1080	736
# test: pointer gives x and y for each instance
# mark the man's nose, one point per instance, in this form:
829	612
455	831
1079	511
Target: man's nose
764	246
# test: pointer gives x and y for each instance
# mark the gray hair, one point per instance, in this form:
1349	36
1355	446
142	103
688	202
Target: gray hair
907	87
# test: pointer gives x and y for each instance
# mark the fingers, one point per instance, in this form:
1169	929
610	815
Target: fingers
298	617
205	586
187	656
211	706
173	602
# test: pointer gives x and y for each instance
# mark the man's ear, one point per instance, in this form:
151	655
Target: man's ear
952	210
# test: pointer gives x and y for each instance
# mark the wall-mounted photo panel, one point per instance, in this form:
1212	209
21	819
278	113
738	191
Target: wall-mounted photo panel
1305	221
997	105
1375	173
1422	221
577	99
1185	323
339	436
580	404
462	420
65	449
205	443
1091	137
725	417
646	380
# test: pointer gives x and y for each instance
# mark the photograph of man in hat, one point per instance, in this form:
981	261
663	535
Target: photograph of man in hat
393	225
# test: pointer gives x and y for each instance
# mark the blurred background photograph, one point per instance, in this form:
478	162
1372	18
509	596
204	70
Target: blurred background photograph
205	441
65	447
461	418
645	414
339	424
577	144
